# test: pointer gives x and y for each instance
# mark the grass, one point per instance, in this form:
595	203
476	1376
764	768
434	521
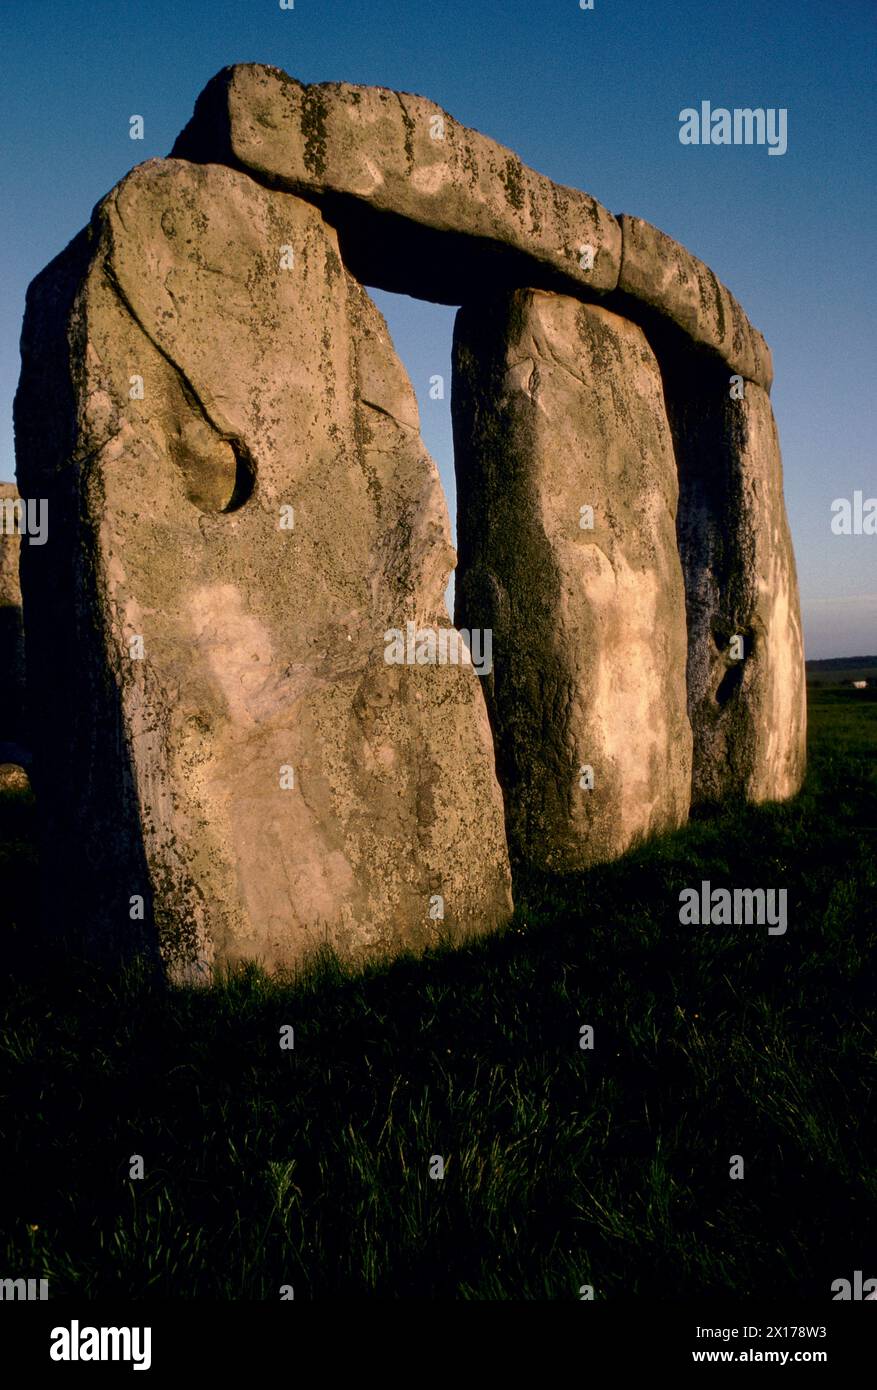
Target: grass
563	1167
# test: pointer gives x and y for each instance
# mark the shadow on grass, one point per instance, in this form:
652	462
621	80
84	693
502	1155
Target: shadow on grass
610	1166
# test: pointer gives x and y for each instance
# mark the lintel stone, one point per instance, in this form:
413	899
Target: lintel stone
661	273
401	156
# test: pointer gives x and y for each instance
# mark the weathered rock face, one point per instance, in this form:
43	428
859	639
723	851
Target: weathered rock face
12	733
658	273
13	778
374	156
746	679
425	206
228	553
558	406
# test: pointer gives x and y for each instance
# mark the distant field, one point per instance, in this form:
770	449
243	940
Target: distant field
563	1167
839	716
844	721
842	670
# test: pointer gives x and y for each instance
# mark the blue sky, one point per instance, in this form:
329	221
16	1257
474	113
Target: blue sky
592	99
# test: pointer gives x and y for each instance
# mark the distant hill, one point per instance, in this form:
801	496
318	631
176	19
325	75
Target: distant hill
839	670
839	663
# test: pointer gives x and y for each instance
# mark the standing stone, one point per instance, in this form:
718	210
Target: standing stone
242	507
746	677
557	407
12	734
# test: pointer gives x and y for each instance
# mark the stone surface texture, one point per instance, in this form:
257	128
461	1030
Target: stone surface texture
657	271
263	648
748	715
557	406
383	148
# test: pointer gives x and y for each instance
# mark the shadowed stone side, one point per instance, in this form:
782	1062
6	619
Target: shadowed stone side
400	156
263	648
557	406
12	732
749	716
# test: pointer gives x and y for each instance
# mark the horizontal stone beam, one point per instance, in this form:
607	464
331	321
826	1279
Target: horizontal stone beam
425	206
402	156
659	272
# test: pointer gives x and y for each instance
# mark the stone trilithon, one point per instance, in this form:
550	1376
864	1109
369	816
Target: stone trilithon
241	507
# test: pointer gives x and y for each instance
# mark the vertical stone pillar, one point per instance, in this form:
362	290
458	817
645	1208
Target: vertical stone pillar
746	678
567	493
241	508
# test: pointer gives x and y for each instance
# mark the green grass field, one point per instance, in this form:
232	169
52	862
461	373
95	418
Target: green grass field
563	1167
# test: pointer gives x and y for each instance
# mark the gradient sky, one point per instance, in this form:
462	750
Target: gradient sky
591	98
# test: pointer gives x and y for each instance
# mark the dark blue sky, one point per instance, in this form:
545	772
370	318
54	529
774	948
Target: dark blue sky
591	98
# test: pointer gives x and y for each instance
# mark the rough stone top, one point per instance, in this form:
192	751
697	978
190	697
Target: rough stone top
401	155
429	207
